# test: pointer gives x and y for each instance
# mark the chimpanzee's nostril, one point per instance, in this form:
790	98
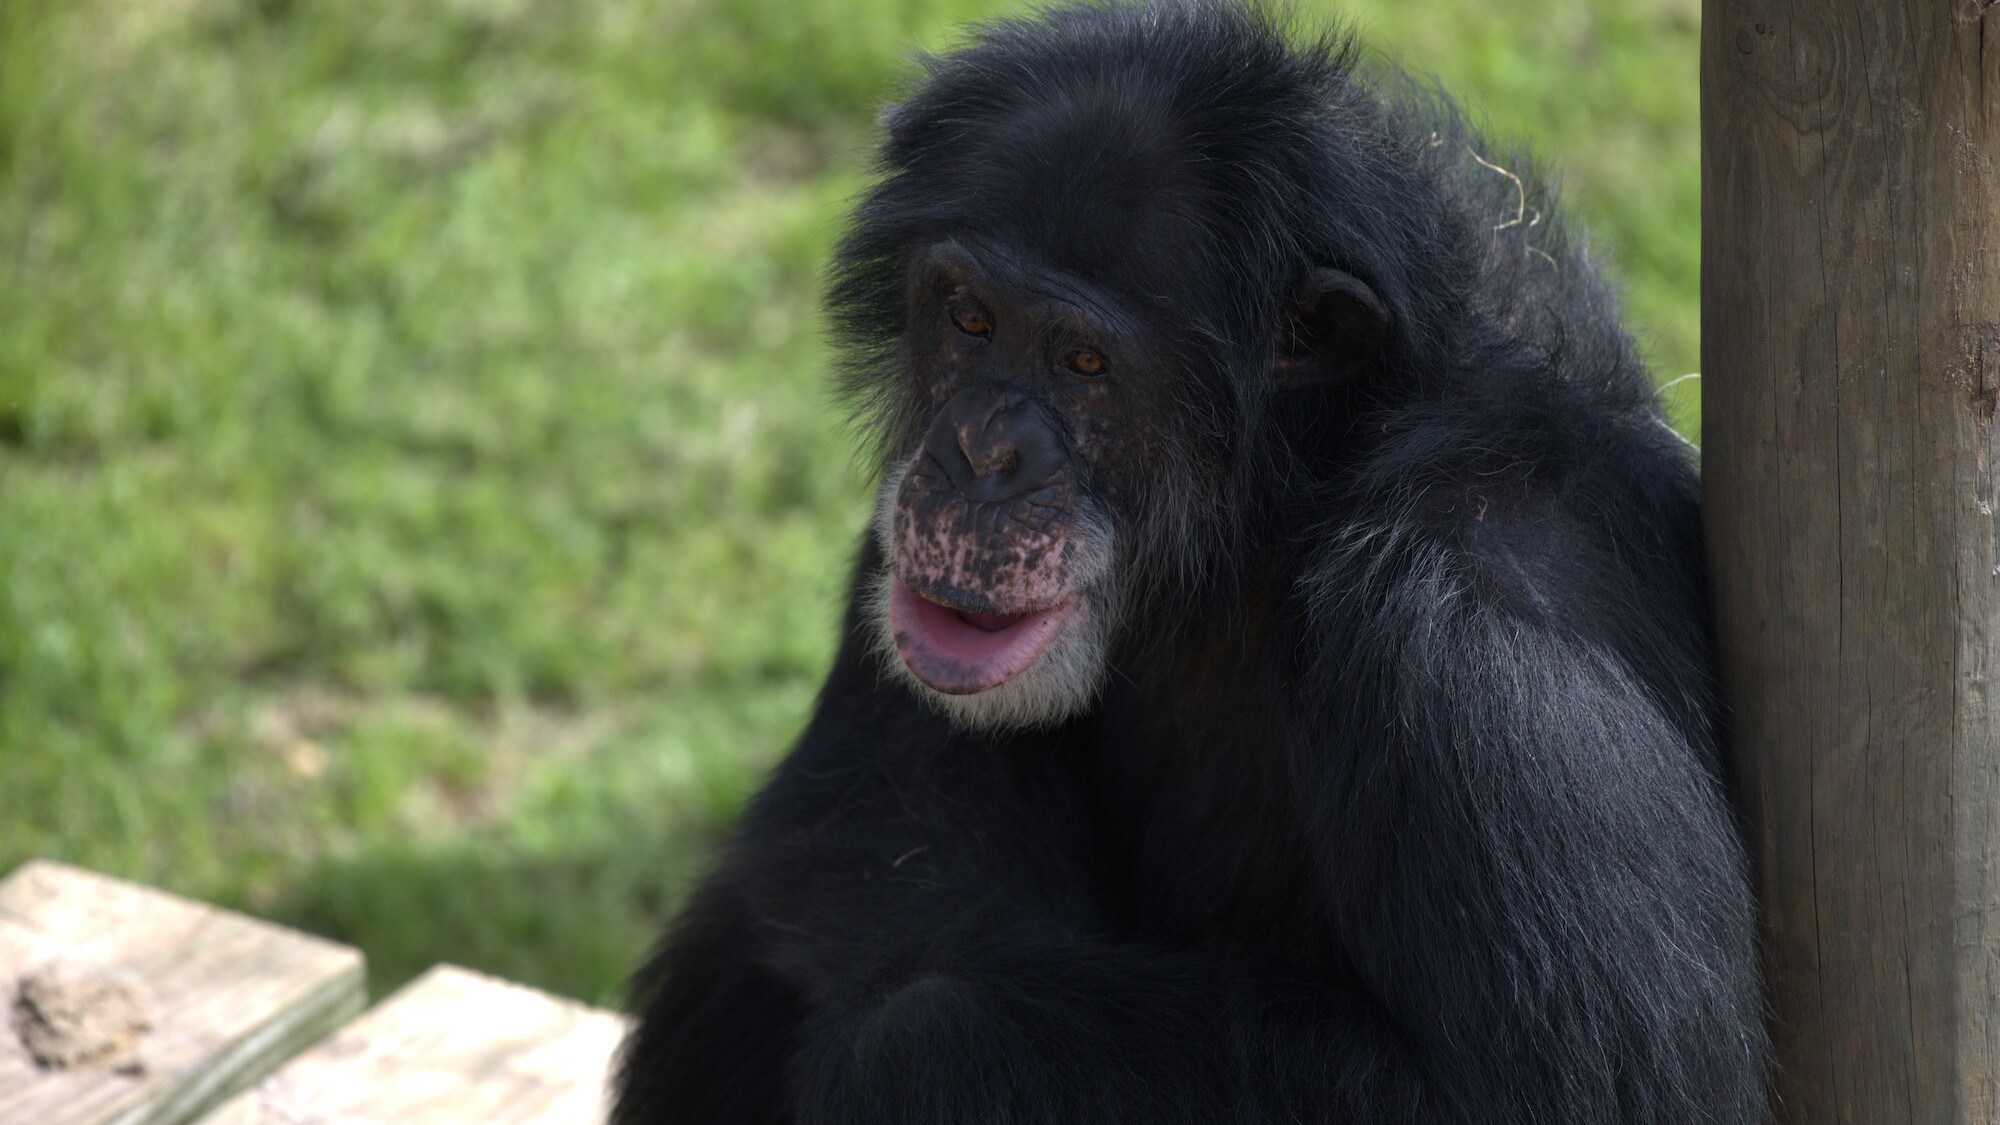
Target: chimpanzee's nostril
987	452
994	444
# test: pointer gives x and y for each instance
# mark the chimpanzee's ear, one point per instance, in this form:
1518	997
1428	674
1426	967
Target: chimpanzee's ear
1336	327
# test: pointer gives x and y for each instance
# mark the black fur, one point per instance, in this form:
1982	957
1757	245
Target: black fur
1403	800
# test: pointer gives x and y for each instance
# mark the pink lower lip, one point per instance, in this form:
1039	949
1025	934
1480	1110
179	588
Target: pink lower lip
960	653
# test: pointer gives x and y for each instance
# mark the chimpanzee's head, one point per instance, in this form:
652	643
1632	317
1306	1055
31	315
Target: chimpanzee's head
1069	308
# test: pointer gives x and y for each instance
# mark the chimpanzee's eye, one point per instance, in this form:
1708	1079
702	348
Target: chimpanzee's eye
1087	361
971	319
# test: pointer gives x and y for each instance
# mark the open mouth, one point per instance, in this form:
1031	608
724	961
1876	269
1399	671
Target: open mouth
959	652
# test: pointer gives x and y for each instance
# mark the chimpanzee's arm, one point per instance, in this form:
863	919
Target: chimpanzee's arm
1535	870
1529	866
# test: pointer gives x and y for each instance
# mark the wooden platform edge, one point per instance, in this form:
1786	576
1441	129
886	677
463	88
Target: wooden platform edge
89	929
257	1056
454	1045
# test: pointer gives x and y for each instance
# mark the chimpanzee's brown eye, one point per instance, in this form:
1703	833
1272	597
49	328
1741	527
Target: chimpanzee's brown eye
971	319
1087	361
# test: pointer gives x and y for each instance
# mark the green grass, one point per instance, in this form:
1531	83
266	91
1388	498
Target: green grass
421	515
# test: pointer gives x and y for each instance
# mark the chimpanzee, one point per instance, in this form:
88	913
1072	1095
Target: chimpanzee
1276	685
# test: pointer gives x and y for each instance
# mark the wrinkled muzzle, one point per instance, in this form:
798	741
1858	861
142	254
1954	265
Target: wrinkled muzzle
981	588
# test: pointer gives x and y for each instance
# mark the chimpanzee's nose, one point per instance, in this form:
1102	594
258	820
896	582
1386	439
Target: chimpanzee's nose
994	444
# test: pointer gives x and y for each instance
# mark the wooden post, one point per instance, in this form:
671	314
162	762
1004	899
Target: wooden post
1851	361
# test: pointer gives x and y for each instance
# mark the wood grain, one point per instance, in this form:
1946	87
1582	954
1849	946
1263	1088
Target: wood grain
1851	359
451	1047
227	998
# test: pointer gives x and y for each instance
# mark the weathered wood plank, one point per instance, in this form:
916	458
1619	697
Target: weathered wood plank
451	1047
152	1008
1851	363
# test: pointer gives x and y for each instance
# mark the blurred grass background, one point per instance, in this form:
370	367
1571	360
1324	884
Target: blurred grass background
421	517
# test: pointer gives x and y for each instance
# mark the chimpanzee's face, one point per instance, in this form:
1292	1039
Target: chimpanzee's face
1076	398
1063	447
1001	525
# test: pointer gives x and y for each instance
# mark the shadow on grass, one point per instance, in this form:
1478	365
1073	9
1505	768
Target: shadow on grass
574	921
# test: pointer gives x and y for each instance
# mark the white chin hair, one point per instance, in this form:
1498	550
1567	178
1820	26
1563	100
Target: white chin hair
1062	683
